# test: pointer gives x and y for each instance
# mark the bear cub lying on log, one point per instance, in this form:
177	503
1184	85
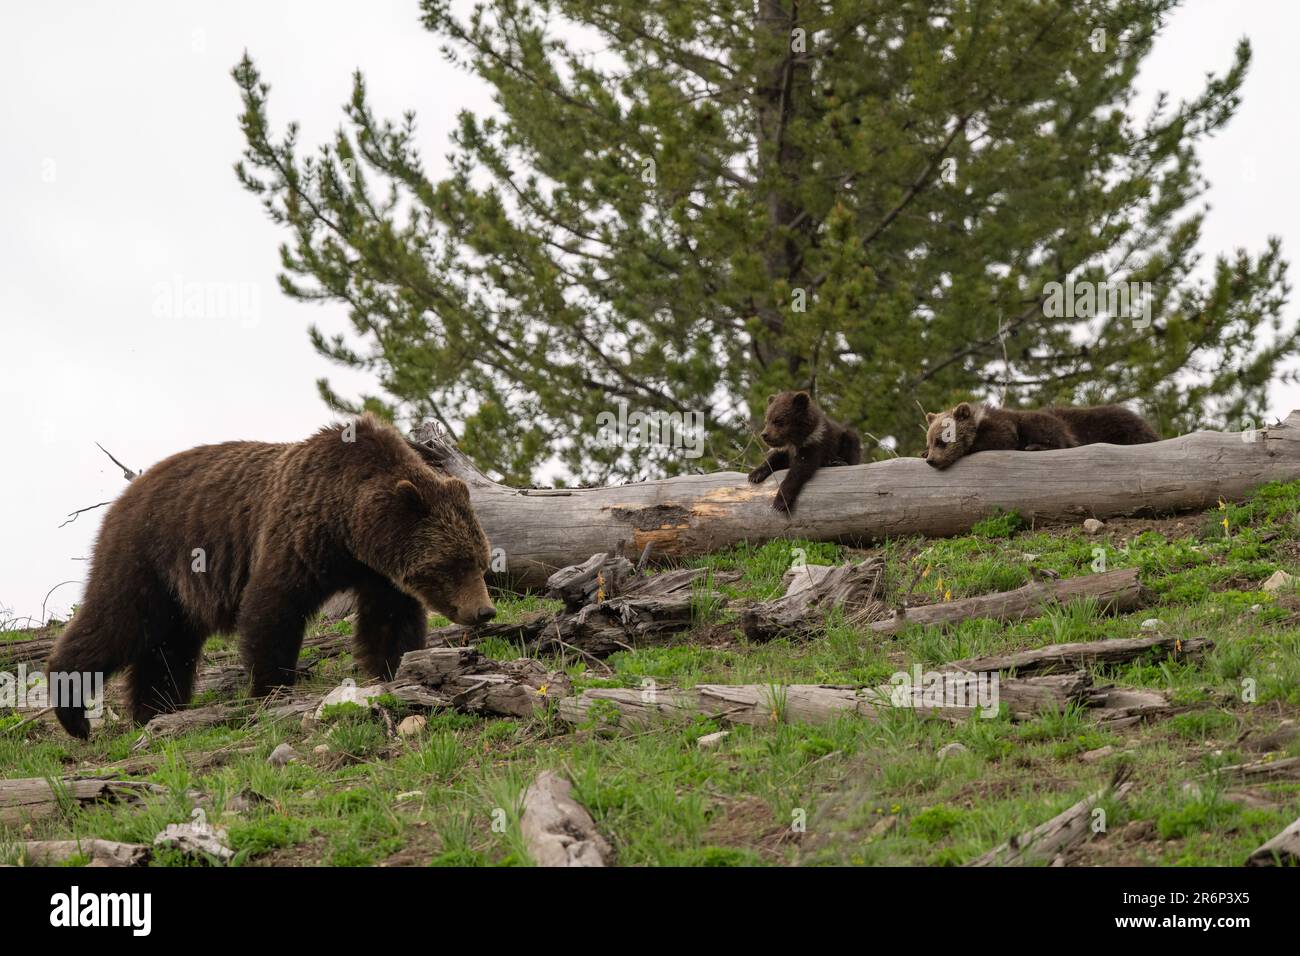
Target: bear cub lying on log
973	427
254	537
804	440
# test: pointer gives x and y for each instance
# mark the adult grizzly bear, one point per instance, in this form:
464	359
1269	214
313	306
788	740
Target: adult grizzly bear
254	537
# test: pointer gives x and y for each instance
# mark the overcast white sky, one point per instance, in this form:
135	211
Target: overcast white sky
120	130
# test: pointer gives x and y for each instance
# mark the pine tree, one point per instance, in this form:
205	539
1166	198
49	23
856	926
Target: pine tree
899	205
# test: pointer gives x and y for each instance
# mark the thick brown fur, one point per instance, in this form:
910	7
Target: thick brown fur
971	427
803	439
281	527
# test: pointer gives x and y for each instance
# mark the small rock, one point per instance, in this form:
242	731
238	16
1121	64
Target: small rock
409	795
1092	526
948	750
1278	580
412	726
321	749
1101	753
1256	608
1030	557
1136	831
1151	624
349	693
282	755
1191	789
883	826
710	741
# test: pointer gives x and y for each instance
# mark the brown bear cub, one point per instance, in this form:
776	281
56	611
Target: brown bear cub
973	427
254	537
804	440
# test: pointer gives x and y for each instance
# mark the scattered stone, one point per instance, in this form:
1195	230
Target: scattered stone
409	795
1135	831
246	799
1101	753
282	755
349	693
1278	580
1030	557
882	826
711	741
412	726
1093	526
948	750
1151	624
1256	608
321	749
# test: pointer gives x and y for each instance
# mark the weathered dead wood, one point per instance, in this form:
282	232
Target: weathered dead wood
1286	768
214	715
758	704
1282	850
811	592
1124	706
1114	591
557	829
1058	657
597	630
31	798
540	532
462	678
99	852
1047	840
594	580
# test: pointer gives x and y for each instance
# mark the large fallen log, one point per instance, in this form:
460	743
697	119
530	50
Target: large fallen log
960	699
31	798
539	531
1072	656
1114	591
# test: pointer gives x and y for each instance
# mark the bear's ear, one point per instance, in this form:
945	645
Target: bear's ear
962	410
801	399
409	495
930	416
457	491
771	398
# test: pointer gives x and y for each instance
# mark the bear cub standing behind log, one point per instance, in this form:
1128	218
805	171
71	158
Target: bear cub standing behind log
804	440
973	427
254	537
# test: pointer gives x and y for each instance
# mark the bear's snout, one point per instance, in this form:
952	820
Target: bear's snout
486	613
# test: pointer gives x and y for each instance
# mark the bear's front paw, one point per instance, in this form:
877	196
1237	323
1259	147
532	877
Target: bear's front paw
782	504
759	475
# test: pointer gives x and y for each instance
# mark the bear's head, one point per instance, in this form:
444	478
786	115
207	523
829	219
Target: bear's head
421	532
792	419
951	434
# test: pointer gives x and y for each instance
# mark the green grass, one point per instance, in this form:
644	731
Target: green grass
851	792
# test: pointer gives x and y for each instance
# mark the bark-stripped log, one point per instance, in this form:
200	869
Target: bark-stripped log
1114	591
1283	849
557	829
1072	656
1047	841
540	531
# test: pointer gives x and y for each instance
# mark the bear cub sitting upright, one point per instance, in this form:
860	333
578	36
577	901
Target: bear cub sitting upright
254	537
804	440
974	427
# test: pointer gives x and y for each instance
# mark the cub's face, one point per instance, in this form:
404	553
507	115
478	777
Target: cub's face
790	419
950	435
442	554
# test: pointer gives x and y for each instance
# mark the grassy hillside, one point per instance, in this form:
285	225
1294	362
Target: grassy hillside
854	792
